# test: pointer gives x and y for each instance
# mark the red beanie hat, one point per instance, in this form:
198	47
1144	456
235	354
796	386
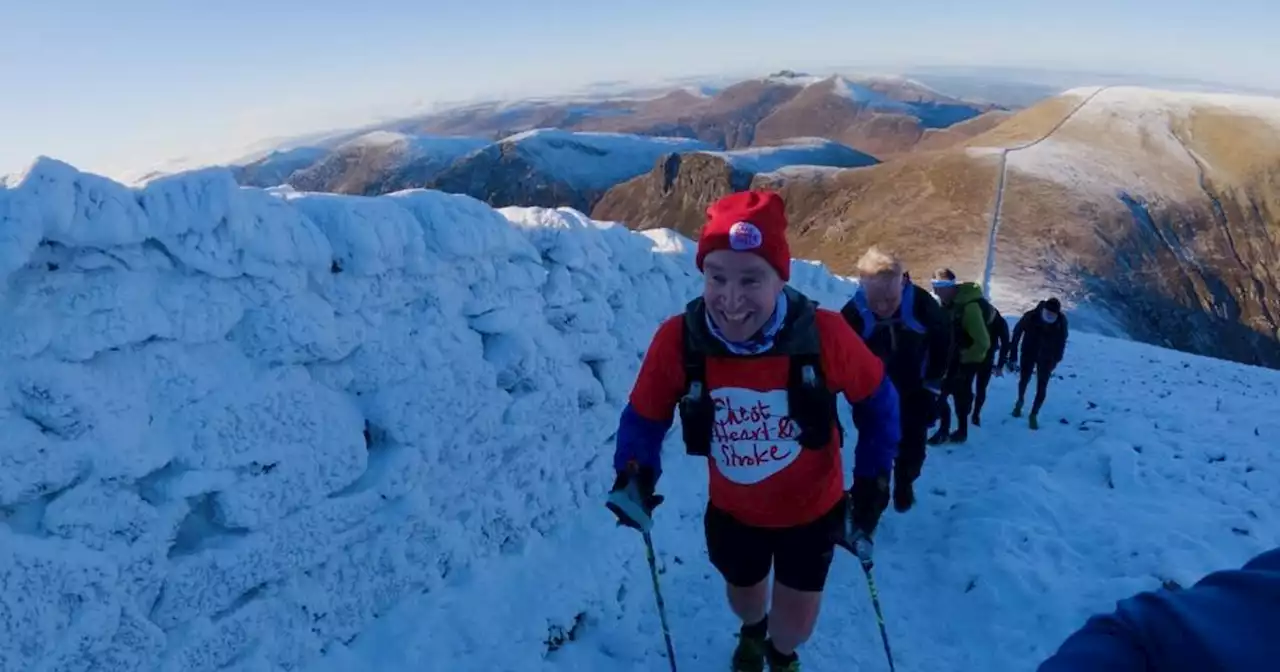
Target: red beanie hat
748	221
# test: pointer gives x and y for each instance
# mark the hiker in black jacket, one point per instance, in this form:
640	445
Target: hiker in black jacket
1043	335
906	328
998	329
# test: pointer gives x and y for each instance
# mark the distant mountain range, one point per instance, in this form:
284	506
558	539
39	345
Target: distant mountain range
1151	213
569	151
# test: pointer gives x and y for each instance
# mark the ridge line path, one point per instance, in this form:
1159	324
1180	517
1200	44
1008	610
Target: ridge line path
993	228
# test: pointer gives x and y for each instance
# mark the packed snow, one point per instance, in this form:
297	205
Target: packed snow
596	160
262	430
796	152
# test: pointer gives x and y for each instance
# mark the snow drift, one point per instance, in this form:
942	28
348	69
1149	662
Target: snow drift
239	425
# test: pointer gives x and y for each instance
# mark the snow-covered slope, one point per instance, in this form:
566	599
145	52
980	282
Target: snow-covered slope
1137	139
1152	468
383	161
586	160
256	431
796	152
865	95
1155	209
276	167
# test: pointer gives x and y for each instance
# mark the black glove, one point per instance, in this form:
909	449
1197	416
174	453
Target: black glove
864	503
868	498
632	499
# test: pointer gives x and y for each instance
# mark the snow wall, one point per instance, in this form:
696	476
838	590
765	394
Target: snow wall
240	424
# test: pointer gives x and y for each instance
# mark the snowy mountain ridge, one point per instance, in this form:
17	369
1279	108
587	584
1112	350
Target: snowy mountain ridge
261	430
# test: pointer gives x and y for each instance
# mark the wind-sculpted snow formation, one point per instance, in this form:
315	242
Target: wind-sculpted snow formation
240	424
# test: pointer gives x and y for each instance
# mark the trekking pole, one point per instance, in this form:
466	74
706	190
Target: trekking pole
657	593
875	604
625	503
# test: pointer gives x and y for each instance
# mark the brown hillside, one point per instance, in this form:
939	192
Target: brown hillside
883	128
813	112
1028	125
349	170
885	135
933	209
943	138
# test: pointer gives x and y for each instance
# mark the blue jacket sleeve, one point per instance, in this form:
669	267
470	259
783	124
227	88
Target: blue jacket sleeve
639	439
879	430
1226	621
1104	644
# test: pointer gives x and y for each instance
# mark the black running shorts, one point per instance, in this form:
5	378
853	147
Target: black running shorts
799	556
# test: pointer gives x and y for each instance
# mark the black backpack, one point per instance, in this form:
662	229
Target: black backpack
811	405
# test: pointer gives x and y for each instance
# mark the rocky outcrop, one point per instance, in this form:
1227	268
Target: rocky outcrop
677	191
674	195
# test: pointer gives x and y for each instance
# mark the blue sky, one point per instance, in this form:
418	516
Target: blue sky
123	85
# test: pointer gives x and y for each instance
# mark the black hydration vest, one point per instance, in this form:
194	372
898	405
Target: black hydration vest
810	404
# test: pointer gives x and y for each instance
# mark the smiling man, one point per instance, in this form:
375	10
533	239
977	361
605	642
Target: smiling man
754	367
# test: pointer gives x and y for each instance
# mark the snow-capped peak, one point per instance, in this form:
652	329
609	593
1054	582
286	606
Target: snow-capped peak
792	78
864	95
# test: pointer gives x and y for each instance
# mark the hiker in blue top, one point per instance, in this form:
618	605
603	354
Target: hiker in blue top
1228	621
906	328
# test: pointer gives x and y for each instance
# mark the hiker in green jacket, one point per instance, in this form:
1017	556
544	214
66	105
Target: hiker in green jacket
963	303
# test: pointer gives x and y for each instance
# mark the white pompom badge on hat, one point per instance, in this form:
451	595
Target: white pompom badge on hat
745	236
